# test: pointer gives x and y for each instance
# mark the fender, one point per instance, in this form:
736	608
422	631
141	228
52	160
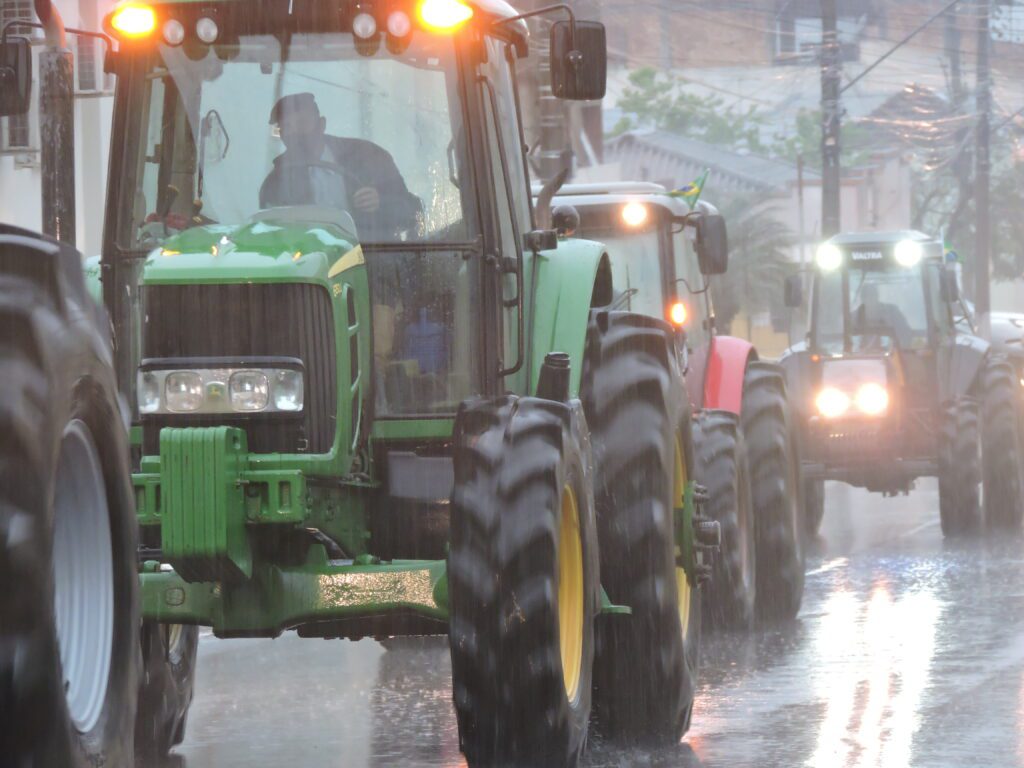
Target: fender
560	293
724	373
966	359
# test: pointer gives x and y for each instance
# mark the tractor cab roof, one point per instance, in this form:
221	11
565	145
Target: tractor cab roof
622	192
879	238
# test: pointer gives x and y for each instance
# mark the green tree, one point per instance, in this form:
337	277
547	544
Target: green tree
759	246
654	99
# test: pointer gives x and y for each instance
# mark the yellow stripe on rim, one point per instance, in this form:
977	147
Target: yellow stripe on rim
570	593
683	590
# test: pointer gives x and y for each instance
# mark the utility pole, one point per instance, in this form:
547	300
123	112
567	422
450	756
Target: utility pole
56	127
982	225
830	120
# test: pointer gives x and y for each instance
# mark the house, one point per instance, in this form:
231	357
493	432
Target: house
20	174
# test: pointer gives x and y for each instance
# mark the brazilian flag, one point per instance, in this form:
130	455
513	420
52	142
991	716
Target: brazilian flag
691	192
951	256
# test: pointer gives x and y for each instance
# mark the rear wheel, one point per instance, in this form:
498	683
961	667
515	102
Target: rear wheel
646	664
1001	450
722	469
523	582
168	672
775	482
68	631
960	510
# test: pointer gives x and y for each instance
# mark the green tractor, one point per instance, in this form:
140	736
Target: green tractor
369	396
663	256
891	386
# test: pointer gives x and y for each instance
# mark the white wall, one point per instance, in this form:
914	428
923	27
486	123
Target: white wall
20	176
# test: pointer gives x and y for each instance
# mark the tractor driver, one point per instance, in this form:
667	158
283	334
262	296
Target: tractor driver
874	314
352	174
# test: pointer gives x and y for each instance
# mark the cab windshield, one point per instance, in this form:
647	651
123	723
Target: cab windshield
865	310
265	123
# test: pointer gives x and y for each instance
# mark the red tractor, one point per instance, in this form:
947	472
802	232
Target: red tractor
665	254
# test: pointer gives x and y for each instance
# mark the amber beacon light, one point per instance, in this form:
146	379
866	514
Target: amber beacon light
443	15
133	20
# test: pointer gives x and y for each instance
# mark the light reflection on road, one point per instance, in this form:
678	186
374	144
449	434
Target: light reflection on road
875	660
908	652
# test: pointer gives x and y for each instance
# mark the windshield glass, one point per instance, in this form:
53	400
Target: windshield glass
256	125
636	269
886	307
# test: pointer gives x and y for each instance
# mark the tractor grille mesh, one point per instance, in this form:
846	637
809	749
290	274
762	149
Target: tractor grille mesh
240	320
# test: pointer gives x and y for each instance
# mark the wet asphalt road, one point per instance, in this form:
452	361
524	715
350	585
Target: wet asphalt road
907	652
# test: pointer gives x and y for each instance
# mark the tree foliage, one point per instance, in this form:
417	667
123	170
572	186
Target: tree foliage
656	100
758	260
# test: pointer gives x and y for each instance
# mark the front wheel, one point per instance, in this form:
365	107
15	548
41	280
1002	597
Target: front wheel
814	507
645	670
69	612
522	582
168	672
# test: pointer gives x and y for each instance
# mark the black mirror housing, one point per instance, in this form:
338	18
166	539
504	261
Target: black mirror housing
793	291
15	76
712	244
579	60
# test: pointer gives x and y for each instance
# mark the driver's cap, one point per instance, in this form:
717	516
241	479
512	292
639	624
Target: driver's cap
293	103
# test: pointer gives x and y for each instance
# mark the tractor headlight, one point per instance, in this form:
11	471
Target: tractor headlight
250	390
828	257
832	403
907	253
183	391
224	390
288	391
872	399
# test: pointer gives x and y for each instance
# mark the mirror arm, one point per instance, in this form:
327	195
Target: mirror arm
37	25
547	9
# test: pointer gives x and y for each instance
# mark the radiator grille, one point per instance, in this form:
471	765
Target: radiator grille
240	320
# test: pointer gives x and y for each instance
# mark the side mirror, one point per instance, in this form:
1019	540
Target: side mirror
15	76
793	291
949	288
579	60
712	244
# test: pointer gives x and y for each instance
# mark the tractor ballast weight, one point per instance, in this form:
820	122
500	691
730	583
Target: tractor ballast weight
332	349
662	256
893	384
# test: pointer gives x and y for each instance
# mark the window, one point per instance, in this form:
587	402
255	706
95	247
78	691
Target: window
17	133
85	53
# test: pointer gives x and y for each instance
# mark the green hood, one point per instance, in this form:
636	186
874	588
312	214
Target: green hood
254	252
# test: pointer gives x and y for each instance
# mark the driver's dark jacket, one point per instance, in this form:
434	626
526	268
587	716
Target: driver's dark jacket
364	164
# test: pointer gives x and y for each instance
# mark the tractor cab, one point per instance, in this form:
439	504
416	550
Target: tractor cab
662	254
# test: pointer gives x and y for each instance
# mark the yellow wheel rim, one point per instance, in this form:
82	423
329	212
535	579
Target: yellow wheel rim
570	593
684	592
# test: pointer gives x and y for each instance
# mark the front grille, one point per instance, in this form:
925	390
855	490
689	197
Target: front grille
243	320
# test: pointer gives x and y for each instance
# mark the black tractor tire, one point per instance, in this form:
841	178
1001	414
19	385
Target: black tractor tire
814	507
1000	448
516	461
776	484
64	472
168	675
960	474
729	597
645	669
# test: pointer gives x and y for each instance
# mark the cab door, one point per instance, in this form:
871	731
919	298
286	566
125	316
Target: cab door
510	184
